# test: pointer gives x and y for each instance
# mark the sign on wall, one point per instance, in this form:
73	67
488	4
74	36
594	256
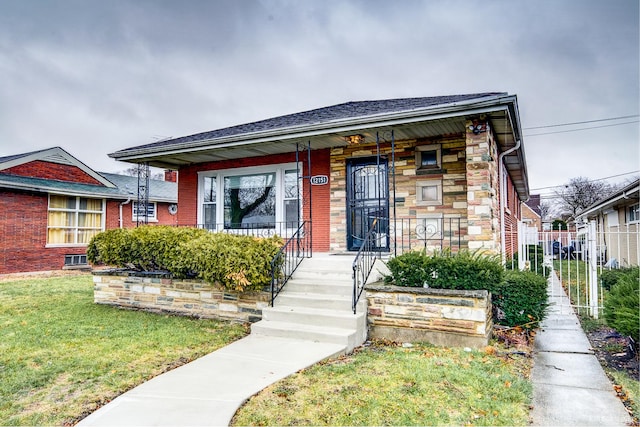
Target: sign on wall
319	180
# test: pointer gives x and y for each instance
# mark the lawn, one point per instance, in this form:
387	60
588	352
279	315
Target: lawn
393	385
62	356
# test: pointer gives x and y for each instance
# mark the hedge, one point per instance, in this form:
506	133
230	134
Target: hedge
519	298
238	263
621	304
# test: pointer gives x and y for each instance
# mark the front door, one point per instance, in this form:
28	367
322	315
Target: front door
367	199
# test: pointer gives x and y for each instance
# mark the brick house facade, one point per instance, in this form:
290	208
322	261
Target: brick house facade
51	204
434	172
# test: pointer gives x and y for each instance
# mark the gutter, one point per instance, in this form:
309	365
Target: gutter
120	210
503	184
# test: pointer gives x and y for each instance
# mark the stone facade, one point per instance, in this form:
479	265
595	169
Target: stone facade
450	176
159	293
439	316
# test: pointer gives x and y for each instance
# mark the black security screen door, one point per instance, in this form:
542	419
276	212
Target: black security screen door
367	199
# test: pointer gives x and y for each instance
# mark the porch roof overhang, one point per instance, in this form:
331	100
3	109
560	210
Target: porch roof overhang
443	119
626	196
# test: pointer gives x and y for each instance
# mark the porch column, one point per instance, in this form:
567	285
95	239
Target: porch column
482	187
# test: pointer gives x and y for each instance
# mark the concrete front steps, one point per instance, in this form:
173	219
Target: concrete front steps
315	305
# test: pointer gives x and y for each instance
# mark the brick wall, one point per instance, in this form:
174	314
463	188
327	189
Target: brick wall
49	170
23	235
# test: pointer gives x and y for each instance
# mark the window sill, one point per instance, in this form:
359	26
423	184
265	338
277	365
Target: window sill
430	171
149	220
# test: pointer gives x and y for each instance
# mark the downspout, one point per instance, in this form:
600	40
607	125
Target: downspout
120	210
503	184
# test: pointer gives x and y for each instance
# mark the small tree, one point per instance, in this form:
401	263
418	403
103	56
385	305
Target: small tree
579	194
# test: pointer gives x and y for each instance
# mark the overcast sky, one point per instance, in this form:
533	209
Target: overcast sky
96	76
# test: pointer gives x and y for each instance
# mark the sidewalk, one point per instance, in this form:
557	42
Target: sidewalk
209	390
569	386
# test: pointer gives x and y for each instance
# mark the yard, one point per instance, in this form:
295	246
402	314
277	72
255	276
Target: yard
62	356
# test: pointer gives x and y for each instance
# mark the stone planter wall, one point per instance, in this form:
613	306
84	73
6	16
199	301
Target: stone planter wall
439	316
157	292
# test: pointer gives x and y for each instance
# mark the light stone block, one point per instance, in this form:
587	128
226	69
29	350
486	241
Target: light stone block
460	313
474	230
151	290
228	307
137	288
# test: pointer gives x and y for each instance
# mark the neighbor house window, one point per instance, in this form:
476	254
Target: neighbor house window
428	158
429	193
75	259
257	197
73	220
151	211
633	213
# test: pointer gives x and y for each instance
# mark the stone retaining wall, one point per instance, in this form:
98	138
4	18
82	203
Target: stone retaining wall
439	316
159	293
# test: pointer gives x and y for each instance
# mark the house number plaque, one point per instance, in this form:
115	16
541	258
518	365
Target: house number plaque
319	180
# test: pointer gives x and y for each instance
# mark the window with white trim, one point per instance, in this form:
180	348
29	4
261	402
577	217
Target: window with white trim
73	220
633	213
257	197
152	209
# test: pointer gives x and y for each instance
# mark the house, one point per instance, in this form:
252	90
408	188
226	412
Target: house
52	204
616	220
433	172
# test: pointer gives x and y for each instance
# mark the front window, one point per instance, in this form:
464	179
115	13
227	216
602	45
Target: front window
263	197
73	220
250	201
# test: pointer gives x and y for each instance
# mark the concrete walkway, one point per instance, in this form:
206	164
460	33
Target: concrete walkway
209	390
569	386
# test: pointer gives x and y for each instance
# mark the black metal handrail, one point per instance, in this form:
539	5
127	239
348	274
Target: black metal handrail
363	263
288	258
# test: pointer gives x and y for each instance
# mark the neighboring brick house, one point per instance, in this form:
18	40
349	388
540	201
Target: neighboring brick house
617	226
446	171
51	204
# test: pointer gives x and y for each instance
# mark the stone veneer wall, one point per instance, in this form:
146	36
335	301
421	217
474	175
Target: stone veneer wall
483	198
439	316
159	293
452	175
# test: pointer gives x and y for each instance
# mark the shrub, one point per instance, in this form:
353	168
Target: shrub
536	258
236	262
520	299
608	278
444	270
622	302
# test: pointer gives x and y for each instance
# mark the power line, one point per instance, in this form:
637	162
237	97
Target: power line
576	130
581	123
589	180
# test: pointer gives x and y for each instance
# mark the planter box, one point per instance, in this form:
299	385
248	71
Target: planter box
158	292
438	316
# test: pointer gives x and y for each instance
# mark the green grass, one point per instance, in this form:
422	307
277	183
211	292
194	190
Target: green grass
389	385
62	356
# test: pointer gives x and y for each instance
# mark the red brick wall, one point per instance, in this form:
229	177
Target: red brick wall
511	217
23	235
49	170
162	214
188	189
23	231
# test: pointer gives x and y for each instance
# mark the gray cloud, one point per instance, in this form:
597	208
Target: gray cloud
95	77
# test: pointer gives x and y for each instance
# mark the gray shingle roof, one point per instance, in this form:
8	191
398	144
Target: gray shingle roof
347	110
126	186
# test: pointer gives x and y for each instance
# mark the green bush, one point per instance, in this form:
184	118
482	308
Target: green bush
520	299
621	304
236	262
608	278
445	270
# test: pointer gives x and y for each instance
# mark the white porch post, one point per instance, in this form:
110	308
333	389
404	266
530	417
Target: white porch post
593	270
